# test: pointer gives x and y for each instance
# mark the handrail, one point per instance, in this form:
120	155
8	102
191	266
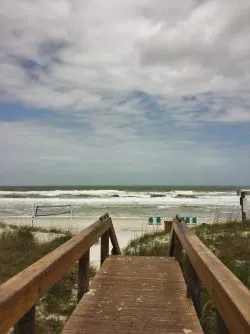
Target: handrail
230	296
20	293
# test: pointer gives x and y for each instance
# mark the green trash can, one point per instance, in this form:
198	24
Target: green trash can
187	220
158	220
150	221
194	220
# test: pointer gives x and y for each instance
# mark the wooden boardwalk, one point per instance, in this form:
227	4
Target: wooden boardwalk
131	294
136	295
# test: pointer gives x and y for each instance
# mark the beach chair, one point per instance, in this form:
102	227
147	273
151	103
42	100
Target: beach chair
150	221
194	220
158	220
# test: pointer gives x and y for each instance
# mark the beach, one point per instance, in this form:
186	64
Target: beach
125	229
129	207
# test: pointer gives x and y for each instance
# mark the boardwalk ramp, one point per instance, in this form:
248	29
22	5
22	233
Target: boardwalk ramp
132	294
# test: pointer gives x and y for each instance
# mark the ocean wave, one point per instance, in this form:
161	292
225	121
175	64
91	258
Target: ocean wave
102	198
39	195
185	196
157	195
125	201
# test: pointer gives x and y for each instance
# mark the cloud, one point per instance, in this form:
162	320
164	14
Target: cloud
72	54
125	85
34	153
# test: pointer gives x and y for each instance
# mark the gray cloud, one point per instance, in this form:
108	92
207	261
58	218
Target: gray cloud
36	152
90	49
143	74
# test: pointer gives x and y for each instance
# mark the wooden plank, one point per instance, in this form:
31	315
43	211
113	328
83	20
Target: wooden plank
104	246
116	248
83	275
27	324
172	242
136	295
104	217
21	292
243	212
221	327
193	285
177	249
168	225
229	294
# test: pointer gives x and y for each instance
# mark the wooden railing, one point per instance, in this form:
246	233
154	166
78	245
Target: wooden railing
202	267
19	294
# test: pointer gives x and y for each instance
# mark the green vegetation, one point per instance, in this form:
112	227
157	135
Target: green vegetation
149	244
19	248
35	228
231	244
2	225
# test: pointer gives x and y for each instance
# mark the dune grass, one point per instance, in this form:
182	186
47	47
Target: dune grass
19	249
230	242
35	228
149	244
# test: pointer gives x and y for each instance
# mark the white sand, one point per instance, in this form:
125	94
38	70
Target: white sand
125	228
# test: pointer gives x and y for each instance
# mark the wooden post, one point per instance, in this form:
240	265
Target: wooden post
168	225
221	326
27	324
178	249
83	275
243	213
172	243
175	247
116	248
193	285
104	246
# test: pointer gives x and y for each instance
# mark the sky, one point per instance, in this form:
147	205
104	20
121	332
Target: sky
125	92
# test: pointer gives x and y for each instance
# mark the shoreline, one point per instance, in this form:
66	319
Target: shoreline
79	222
127	228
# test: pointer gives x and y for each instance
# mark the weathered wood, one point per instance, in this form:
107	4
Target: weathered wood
116	248
177	249
168	225
221	326
193	285
104	246
104	217
243	213
27	324
22	291
172	242
135	294
228	293
83	275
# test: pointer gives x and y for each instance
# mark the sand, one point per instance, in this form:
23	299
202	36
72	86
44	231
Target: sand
125	228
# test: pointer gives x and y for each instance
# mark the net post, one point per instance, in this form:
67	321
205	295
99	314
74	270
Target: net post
71	214
52	210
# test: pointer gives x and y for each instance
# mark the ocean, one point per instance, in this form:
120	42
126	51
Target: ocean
125	201
130	207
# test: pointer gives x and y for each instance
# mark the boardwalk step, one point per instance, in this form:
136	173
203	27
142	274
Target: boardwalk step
132	294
